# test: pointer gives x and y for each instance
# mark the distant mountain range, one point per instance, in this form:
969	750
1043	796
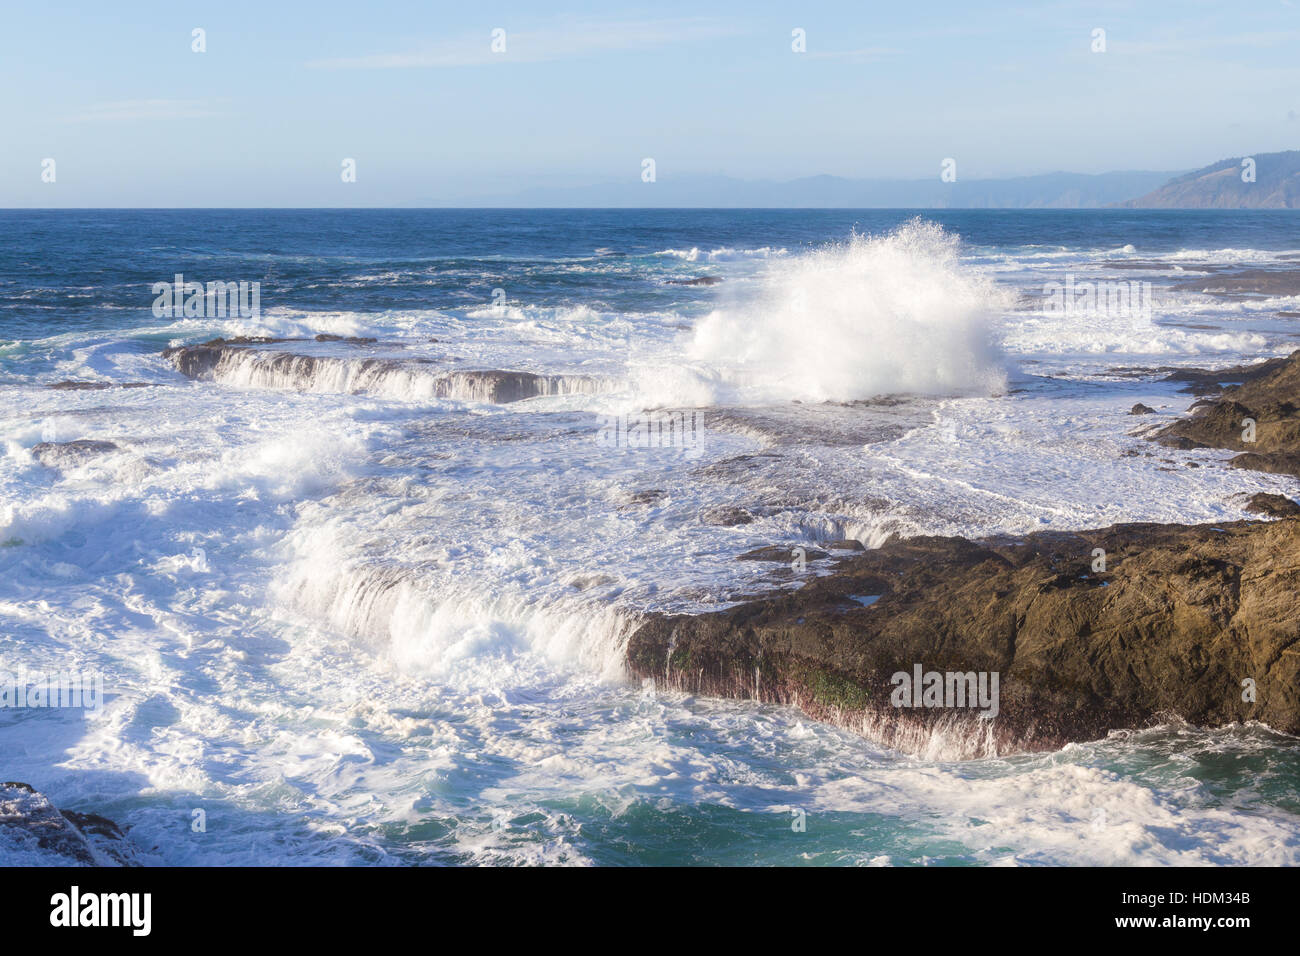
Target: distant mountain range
1276	185
1273	183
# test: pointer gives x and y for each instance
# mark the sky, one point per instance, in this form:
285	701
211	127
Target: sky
285	92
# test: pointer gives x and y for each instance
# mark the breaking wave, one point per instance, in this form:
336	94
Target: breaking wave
414	379
892	314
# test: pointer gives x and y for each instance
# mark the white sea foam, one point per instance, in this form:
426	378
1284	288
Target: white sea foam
400	378
370	630
898	313
723	254
431	623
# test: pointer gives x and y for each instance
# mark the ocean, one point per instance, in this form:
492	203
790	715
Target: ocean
355	596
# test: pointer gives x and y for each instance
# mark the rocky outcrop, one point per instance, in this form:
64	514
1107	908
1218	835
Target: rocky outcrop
34	832
70	454
76	385
1246	283
346	339
1260	417
1086	633
1175	625
502	387
416	378
1274	506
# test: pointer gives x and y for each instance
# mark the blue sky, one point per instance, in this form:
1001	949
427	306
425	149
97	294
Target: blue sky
412	91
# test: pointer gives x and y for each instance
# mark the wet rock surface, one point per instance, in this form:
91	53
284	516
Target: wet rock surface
80	385
1247	282
1088	632
725	516
34	832
1260	417
70	454
244	361
1203	381
784	554
1181	616
1274	506
347	339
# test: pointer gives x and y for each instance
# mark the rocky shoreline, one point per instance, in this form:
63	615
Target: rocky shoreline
1258	417
31	826
1087	633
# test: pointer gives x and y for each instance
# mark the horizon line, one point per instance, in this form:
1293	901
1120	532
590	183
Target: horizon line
486	208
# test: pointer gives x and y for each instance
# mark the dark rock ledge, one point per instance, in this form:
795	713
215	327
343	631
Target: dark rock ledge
1269	396
205	362
1181	624
33	830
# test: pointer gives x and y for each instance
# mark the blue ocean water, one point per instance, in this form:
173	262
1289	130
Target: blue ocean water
356	611
77	269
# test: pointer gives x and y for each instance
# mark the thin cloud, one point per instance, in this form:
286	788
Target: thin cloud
537	46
